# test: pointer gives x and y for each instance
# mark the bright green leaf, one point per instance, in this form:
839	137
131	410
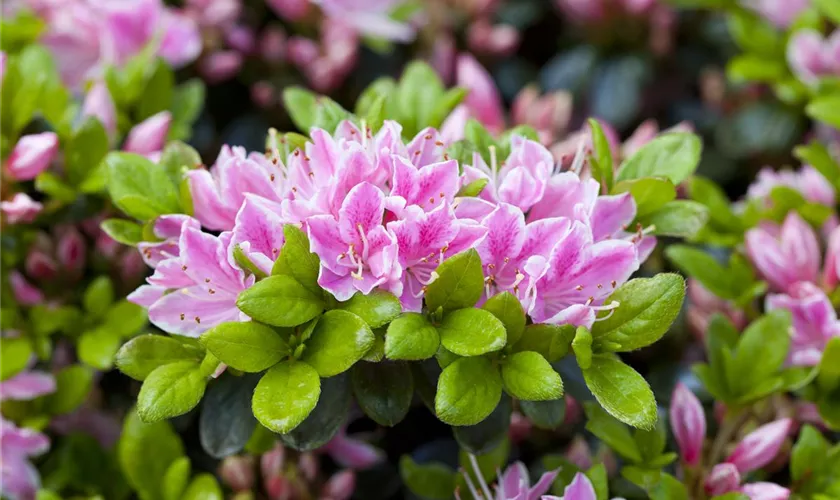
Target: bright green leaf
280	301
339	340
286	395
246	346
411	337
468	391
472	332
529	377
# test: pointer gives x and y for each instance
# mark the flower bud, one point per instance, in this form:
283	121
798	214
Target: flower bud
271	462
308	466
765	491
352	453
759	447
25	293
290	10
580	489
340	486
32	155
273	45
496	40
99	104
70	250
688	423
483	99
21	209
220	66
722	479
149	136
784	255
238	472
40	266
241	38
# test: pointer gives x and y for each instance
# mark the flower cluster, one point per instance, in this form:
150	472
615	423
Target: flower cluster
384	214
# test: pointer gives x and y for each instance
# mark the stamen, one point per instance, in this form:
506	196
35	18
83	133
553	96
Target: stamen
579	288
479	477
580	156
182	316
364	241
519	278
211	291
198	320
470	485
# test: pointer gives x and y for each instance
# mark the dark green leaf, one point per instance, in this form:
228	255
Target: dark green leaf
326	419
383	390
434	480
612	432
546	415
226	420
487	435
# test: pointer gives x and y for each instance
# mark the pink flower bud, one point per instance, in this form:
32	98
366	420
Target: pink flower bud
814	321
759	447
807	57
70	251
638	6
98	103
271	463
277	487
784	255
40	266
308	466
32	155
340	486
831	269
149	136
582	10
520	427
220	66
263	94
780	13
722	479
238	472
352	453
273	45
483	99
290	10
21	209
688	423
25	293
579	489
498	40
241	38
765	491
443	56
579	453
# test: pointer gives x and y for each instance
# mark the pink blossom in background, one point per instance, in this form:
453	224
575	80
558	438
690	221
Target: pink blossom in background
722	479
368	17
786	254
498	40
290	10
579	489
20	209
483	99
149	136
25	293
99	104
237	472
814	321
703	304
812	57
688	423
31	155
759	447
549	114
220	66
807	181
328	61
779	12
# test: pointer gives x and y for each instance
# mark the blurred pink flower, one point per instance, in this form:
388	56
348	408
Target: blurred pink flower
32	155
20	209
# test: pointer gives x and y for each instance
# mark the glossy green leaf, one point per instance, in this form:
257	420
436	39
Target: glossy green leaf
612	432
411	336
123	231
649	193
377	308
459	284
678	218
248	346
146	451
529	377
508	310
621	391
286	395
170	390
674	156
468	391
339	340
280	301
383	390
471	332
297	261
553	342
141	355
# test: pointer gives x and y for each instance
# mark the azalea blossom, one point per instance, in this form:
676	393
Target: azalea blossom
786	254
369	17
814	321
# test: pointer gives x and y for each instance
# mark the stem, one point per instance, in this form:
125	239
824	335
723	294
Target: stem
731	423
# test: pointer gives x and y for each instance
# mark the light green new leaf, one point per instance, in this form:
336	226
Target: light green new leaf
433	480
411	337
621	391
280	301
138	357
468	390
508	310
140	188
761	351
145	452
825	109
286	395
674	156
170	390
460	283
551	341
123	231
612	432
72	385
377	308
297	261
471	332
649	193
529	377
678	218
248	346
339	340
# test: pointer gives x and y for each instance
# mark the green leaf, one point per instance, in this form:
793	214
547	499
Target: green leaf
297	261
754	34
649	193
471	332
754	67
177	159
674	156
124	319
489	435
412	337
226	422
203	487
808	453
647	308
444	106
546	415
478	136
582	347
825	109
529	377
286	395
157	96
14	356
175	479
459	284
98	347
85	150
72	385
377	308
383	390
678	218
339	340
601	154
48	183
817	155
140	188
248	346
99	296
328	114
700	265
761	351
669	488
187	103
551	341
381	87
612	432
432	480
712	196
324	422
621	391
280	301
418	92
508	310
829	9
828	376
474	188
170	390
300	104
123	231
468	391
146	451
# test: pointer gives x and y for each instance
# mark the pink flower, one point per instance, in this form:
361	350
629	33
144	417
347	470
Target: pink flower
272	45
831	267
339	486
238	472
369	17
197	290
99	104
258	231
168	229
32	155
549	114
149	136
498	40
19	479
759	447
25	293
812	57
483	99
71	250
808	181
722	479
352	453
520	181
220	66
765	491
327	64
784	255
814	321
357	253
290	10
21	209
688	423
220	192
703	304
779	12
579	489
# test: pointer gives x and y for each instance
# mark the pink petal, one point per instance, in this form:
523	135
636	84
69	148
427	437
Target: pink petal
579	489
688	423
722	479
27	386
362	210
765	491
25	293
260	228
191	311
21	209
505	236
149	136
32	155
759	447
